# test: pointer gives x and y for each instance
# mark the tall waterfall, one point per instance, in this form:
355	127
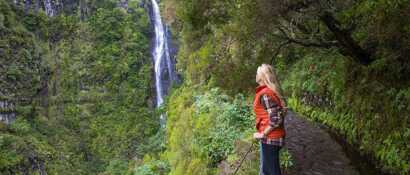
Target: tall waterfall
164	72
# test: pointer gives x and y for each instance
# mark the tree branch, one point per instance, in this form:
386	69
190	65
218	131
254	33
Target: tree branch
278	49
305	43
345	40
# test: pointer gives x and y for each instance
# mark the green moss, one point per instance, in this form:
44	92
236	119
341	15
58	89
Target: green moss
202	128
358	109
84	88
355	100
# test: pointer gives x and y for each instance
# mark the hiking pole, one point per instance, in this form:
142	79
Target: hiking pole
243	158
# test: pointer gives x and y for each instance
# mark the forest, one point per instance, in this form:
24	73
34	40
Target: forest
79	85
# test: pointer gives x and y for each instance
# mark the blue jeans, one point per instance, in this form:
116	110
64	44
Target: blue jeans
269	159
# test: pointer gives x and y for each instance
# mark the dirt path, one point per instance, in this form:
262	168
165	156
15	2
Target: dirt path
313	150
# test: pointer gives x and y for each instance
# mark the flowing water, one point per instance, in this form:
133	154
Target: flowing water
7	112
48	7
163	65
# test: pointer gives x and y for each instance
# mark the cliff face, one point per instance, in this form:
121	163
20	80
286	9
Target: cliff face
74	84
7	112
55	7
51	7
24	75
21	67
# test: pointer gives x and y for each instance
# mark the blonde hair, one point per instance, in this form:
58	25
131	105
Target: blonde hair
267	75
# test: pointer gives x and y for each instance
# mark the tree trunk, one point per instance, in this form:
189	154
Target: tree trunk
344	38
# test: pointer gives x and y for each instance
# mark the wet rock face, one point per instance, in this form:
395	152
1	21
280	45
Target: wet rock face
162	54
22	70
7	112
312	99
50	7
123	4
55	7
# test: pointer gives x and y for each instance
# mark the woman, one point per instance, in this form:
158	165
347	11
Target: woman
269	108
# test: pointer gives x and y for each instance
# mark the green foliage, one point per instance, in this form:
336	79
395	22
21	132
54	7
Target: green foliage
20	55
120	65
151	166
229	121
221	47
116	167
357	110
205	127
286	161
215	44
202	129
84	86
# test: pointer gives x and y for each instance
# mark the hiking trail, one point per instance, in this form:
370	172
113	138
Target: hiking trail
313	150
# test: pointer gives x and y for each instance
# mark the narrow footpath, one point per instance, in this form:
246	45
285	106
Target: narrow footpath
313	150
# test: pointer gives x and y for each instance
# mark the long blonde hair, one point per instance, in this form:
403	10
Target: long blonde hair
267	75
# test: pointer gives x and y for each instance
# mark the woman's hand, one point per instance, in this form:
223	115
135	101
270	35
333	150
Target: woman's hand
258	135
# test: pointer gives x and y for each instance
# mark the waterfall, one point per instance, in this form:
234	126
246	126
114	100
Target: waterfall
48	7
168	57
7	112
161	58
7	118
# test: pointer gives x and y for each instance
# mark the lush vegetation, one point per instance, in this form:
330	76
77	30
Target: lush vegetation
81	87
359	115
204	128
81	82
342	63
